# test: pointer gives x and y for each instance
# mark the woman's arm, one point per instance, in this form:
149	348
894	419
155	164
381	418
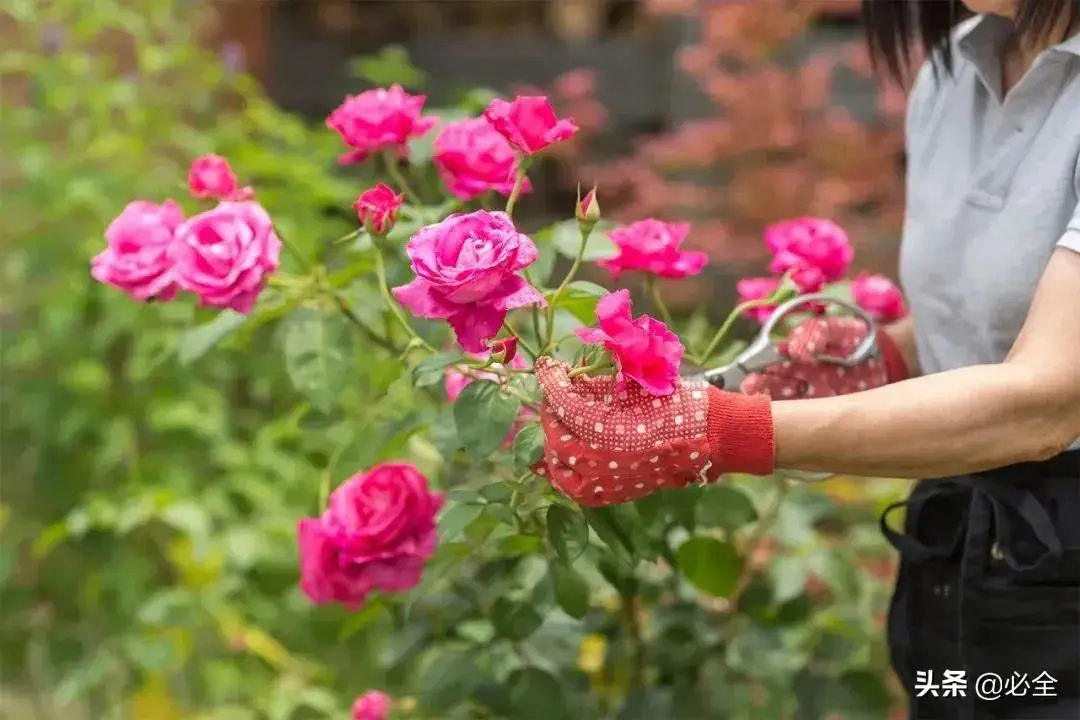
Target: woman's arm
951	423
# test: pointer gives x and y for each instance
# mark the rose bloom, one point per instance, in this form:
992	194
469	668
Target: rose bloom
372	705
652	246
377	120
643	348
225	255
377	533
378	208
466	273
136	258
756	289
817	250
878	296
211	177
529	123
473	158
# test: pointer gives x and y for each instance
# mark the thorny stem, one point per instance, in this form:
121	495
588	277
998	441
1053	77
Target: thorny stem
553	303
399	179
654	291
521	341
519	183
780	292
764	524
391	303
339	300
632	627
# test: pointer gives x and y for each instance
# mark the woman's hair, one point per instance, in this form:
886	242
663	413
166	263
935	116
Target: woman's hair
894	27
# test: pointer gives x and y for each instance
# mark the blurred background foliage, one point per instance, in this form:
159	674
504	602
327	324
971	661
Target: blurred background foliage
150	489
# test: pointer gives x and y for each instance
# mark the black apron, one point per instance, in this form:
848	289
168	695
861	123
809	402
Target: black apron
985	617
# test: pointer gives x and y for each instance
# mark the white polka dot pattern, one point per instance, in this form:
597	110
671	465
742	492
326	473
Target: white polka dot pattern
605	447
803	377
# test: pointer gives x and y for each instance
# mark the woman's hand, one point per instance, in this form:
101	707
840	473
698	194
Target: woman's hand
604	447
803	376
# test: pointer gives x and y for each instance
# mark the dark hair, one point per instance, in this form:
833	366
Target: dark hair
893	27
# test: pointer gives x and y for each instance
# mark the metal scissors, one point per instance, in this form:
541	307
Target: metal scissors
763	351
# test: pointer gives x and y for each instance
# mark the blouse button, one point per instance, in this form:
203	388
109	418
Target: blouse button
995	553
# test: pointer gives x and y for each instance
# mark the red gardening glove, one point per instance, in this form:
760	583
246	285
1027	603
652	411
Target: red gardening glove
801	376
604	447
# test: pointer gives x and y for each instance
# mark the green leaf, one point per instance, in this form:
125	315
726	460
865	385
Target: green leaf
711	565
497	492
528	447
448	680
789	575
612	525
391	65
319	355
837	570
198	341
566	236
514	620
724	506
568	532
546	255
456	518
536	695
484	416
579	299
682	505
443	433
433	369
571	591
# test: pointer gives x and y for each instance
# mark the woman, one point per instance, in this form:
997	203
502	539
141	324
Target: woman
979	388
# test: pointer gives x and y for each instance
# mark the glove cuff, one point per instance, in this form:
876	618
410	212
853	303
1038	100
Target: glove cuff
896	369
740	431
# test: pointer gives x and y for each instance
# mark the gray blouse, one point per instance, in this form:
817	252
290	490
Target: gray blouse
992	190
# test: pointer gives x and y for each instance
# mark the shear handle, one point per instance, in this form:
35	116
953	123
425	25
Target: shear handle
863	352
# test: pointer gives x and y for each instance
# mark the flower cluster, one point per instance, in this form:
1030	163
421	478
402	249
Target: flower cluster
223	256
469	270
815	252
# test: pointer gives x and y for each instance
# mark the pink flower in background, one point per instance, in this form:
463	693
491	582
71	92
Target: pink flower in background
652	246
377	120
225	255
376	534
817	250
211	177
378	208
466	273
878	296
473	158
529	123
756	289
372	705
137	258
643	348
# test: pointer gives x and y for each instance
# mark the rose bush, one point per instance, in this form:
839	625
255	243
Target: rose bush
255	498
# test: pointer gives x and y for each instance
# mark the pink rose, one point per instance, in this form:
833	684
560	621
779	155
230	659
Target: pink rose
377	533
211	177
225	255
372	705
380	119
473	158
756	289
504	350
652	246
529	123
817	250
643	348
378	209
878	296
466	273
136	259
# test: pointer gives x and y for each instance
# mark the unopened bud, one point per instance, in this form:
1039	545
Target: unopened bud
503	350
588	209
377	209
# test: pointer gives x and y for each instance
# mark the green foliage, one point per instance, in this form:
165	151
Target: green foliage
157	458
